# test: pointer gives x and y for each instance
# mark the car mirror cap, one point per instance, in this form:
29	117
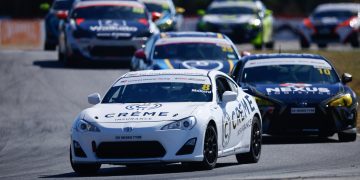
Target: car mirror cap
346	78
229	96
140	54
155	16
94	98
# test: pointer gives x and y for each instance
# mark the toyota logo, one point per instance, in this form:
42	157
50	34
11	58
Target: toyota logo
142	107
128	129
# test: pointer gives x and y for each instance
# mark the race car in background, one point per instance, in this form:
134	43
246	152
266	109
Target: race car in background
242	21
335	22
168	17
101	31
167	116
186	50
299	94
52	22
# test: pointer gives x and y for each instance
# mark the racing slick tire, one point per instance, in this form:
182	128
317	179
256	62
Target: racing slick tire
269	45
355	43
322	45
210	151
49	46
255	145
346	137
60	56
304	44
84	169
258	46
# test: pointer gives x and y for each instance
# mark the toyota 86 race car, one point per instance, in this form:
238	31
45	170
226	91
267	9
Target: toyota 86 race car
299	94
329	23
168	17
187	50
104	31
242	21
167	116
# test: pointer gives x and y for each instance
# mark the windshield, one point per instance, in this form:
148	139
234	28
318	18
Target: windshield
338	14
160	89
109	12
231	10
277	74
154	7
194	51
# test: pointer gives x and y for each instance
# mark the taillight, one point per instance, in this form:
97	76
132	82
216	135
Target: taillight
143	21
79	21
352	22
307	22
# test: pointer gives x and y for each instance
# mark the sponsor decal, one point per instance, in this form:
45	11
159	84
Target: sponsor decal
142	107
128	129
128	137
110	25
297	88
113	34
210	65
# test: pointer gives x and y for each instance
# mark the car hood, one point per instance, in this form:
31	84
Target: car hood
295	92
227	19
119	28
220	65
139	112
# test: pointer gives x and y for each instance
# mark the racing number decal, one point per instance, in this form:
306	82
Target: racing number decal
206	87
138	10
227	49
324	71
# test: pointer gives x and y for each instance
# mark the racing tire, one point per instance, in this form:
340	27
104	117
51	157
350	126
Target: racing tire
304	44
322	45
355	43
60	56
253	155
270	45
49	46
84	169
210	151
346	137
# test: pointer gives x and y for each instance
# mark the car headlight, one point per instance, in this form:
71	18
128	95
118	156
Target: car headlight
263	102
345	100
255	22
84	126
183	124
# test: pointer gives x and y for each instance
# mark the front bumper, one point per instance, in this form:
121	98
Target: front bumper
94	49
325	120
145	142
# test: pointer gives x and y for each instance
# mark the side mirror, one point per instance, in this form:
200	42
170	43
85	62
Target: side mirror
140	54
62	14
180	10
229	96
346	78
155	16
245	53
94	98
201	12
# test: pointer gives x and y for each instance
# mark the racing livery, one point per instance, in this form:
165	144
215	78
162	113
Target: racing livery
187	50
242	21
169	17
104	31
167	116
299	94
335	22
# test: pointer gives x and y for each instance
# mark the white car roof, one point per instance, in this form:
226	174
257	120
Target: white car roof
354	7
156	1
175	40
190	72
115	3
248	4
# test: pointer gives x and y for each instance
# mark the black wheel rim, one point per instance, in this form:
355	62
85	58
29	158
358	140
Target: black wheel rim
256	140
210	146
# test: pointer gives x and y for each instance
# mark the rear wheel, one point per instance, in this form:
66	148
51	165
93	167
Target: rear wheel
346	137
304	43
255	145
322	45
49	46
84	169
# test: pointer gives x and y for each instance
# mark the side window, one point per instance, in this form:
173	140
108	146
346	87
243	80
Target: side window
222	85
233	86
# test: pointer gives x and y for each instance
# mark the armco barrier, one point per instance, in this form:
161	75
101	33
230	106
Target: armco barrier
21	34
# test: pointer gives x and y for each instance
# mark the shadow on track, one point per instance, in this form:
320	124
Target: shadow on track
55	64
296	140
140	170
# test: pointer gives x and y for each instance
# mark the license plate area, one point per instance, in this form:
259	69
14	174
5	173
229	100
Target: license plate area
302	110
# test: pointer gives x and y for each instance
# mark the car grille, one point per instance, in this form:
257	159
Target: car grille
112	51
130	150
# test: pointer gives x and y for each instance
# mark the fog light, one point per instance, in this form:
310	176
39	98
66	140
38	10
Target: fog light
188	147
79	152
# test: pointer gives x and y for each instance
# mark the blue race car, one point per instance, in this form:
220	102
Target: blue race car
52	23
187	50
299	94
101	31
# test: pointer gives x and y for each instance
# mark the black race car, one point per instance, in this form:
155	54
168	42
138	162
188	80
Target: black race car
299	94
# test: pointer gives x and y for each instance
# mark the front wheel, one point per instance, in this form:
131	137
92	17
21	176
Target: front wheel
255	145
84	169
346	137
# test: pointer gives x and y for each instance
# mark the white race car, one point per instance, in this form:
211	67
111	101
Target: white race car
167	116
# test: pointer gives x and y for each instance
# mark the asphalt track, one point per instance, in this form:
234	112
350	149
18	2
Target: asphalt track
39	99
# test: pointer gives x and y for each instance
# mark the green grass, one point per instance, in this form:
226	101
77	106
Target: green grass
344	61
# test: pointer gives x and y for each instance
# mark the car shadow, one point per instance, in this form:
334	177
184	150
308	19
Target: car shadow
273	140
55	64
139	170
